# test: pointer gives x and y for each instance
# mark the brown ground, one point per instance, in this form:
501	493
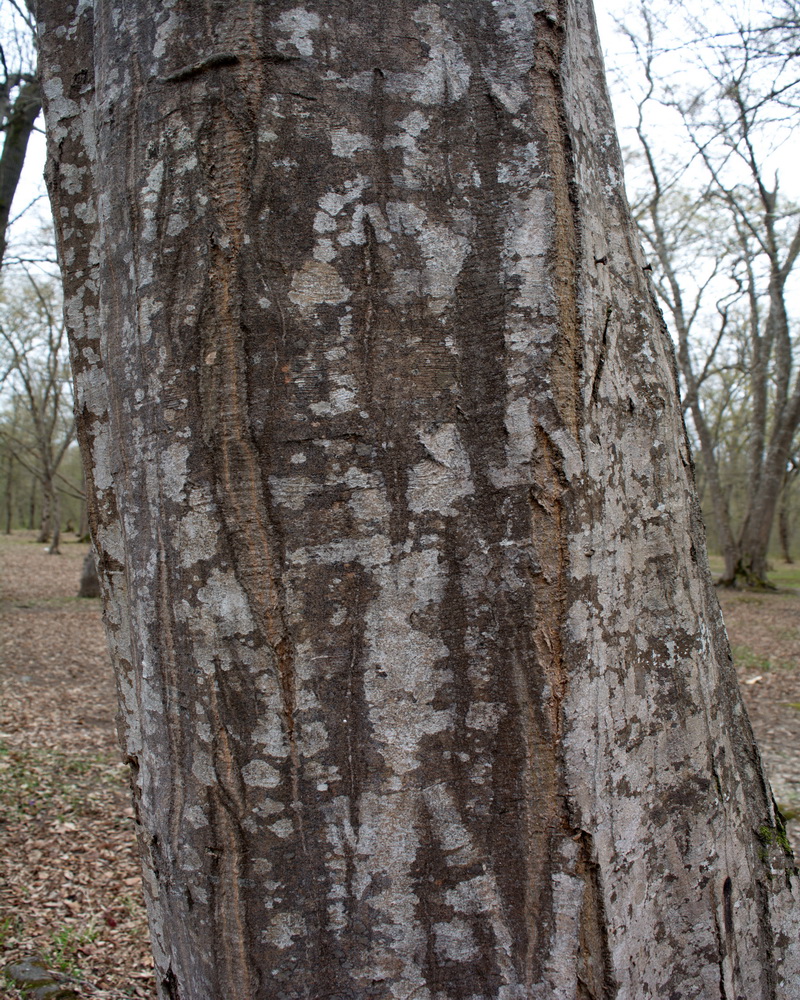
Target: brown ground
70	890
764	629
69	883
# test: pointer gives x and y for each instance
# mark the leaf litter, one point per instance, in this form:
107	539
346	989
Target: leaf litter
70	884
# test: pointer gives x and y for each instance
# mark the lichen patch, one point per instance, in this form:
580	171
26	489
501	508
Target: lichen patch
317	283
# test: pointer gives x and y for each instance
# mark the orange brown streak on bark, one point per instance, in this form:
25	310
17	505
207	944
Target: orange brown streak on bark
541	788
546	84
242	483
245	493
545	812
170	677
231	914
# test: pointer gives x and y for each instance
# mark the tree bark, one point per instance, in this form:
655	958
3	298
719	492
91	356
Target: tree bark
424	684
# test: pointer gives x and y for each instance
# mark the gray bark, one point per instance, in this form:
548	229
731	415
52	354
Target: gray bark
424	685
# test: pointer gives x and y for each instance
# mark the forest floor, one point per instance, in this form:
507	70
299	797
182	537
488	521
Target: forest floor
70	889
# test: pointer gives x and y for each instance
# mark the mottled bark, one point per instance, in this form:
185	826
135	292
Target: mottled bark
424	685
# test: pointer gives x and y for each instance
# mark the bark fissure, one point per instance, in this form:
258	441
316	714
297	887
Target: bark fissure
215	61
237	975
547	85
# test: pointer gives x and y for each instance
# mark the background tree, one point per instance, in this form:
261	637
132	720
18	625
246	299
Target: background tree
20	104
724	240
33	351
424	686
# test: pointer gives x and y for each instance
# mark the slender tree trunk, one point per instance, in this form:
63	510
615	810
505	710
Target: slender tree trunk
18	130
32	504
722	519
424	684
55	523
46	521
762	508
784	530
9	492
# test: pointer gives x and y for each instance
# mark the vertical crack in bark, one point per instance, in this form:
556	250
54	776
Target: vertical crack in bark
170	679
549	100
243	495
228	796
371	266
244	502
545	812
601	358
594	971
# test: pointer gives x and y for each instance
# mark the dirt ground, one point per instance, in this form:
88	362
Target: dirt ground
70	889
764	630
69	880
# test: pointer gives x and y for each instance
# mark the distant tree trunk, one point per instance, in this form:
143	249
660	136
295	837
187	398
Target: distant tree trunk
784	532
424	684
55	523
785	513
46	520
83	524
9	491
757	527
90	581
32	504
18	128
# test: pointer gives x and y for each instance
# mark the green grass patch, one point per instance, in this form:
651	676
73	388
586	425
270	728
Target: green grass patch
747	659
744	657
785	575
40	782
66	944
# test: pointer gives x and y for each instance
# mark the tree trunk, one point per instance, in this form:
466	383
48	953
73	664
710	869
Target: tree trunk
55	522
9	492
46	521
785	532
424	684
757	527
32	504
18	130
722	519
83	524
786	515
